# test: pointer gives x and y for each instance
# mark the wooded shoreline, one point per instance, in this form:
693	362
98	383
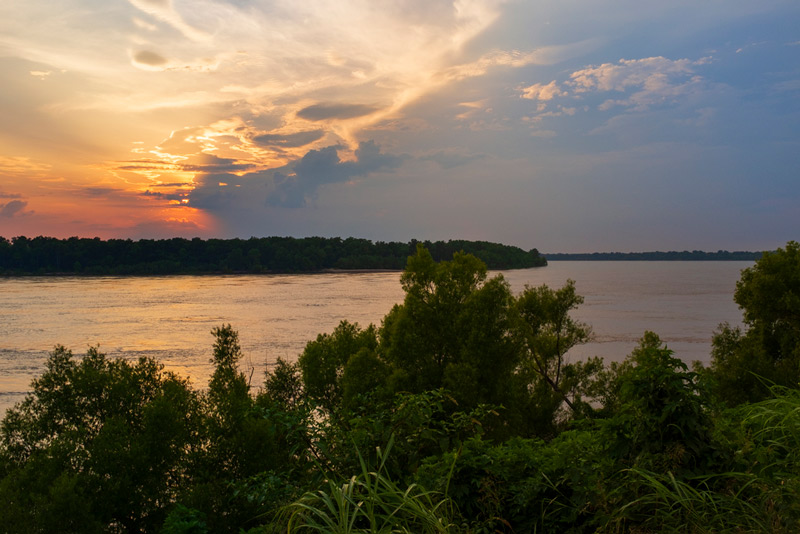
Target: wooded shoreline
272	255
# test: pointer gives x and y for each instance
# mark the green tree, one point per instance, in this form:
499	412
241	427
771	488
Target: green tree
546	332
662	421
239	442
745	363
97	443
324	361
451	330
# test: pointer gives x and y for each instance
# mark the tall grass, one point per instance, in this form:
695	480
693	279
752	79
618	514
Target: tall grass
776	422
762	495
727	502
370	502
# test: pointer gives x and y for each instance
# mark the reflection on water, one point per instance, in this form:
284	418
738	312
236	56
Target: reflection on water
170	318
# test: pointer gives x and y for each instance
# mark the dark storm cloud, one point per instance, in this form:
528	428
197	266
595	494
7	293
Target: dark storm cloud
147	57
165	196
289	140
13	208
219	192
291	186
321	112
211	163
288	192
319	167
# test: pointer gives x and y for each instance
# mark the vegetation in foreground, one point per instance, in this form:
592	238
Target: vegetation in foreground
460	413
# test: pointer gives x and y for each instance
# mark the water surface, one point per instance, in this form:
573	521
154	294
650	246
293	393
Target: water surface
170	317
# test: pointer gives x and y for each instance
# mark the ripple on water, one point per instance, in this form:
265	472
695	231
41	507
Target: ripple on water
277	315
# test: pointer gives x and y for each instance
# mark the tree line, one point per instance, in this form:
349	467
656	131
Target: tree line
85	256
460	412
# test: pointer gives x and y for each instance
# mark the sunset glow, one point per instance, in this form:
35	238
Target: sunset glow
563	126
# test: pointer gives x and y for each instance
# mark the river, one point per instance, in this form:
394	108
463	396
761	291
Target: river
170	318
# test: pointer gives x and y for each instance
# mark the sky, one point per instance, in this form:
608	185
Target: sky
568	126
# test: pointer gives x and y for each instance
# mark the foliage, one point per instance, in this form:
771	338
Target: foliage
240	441
546	332
324	361
697	505
45	255
370	502
451	331
105	438
756	489
769	295
283	385
184	520
419	424
465	385
521	485
425	338
661	422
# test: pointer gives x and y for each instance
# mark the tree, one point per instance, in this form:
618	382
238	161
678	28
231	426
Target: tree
546	332
98	442
661	421
451	330
325	359
744	363
238	441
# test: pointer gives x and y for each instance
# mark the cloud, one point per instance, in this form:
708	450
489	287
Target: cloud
290	140
153	61
165	196
21	165
640	85
319	167
547	55
164	11
149	58
327	111
10	195
495	58
97	192
653	80
450	158
544	92
290	186
171	184
630	72
213	163
472	109
143	165
13	208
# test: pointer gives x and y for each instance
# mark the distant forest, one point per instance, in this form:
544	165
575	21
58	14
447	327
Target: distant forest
84	256
695	255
